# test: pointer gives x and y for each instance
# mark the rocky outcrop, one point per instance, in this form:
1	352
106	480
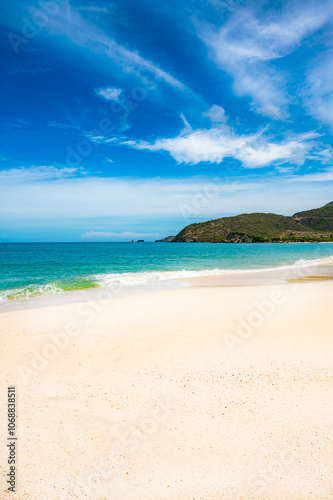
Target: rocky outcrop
239	238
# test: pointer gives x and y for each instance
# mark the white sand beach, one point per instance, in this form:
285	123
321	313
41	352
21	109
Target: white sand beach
203	392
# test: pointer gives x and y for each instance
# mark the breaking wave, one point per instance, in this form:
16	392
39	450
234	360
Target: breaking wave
139	280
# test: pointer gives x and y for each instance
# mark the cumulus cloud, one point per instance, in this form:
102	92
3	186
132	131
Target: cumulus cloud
245	45
109	93
216	114
219	142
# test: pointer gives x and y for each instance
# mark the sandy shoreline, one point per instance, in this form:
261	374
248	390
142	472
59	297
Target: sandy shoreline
204	392
251	277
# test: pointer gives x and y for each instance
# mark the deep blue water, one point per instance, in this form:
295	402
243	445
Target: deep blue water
43	268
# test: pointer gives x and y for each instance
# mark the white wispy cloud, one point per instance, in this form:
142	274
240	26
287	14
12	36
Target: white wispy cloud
219	142
323	176
93	8
103	139
15	123
245	45
109	93
127	235
318	88
43	172
83	33
94	199
62	126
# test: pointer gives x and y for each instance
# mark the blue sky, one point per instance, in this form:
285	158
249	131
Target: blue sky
126	120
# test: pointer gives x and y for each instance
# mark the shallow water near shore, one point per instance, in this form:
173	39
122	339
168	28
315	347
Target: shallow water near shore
30	270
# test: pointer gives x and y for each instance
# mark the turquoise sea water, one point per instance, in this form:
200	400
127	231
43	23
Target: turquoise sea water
28	270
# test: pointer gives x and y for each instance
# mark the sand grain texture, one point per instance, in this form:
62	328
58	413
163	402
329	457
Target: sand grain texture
149	399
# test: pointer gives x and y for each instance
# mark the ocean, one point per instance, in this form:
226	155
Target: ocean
34	269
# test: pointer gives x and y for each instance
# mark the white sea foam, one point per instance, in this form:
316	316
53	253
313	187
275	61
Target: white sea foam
29	291
114	280
155	279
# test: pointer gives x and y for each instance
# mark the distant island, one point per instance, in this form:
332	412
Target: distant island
314	225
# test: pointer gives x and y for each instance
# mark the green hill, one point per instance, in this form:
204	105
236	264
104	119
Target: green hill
314	225
319	219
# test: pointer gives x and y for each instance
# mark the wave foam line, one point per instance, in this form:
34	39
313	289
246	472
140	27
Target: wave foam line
135	279
118	281
30	291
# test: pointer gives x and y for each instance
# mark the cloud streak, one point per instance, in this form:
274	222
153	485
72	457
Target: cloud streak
72	25
37	173
324	176
318	89
245	47
112	209
125	235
